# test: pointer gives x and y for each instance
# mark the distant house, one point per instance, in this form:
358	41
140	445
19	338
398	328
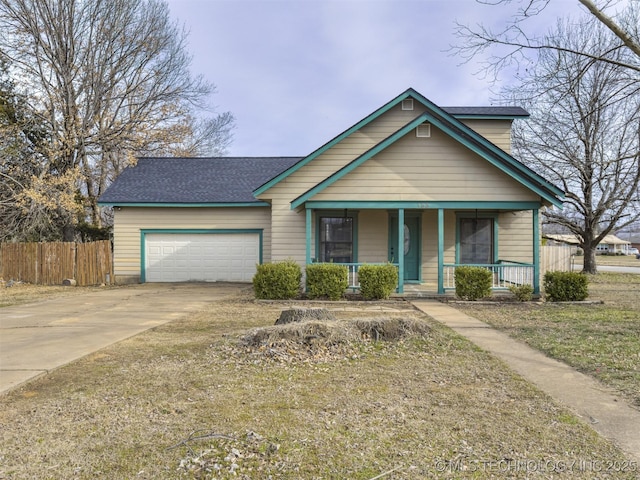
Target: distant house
610	243
423	187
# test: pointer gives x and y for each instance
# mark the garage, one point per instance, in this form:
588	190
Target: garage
201	257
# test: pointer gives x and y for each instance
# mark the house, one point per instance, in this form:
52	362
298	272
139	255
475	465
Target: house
424	187
609	244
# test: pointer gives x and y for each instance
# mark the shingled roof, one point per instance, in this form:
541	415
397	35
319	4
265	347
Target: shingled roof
509	112
194	180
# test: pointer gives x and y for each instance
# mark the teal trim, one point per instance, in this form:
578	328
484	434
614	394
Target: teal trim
147	231
369	118
400	250
492	215
186	205
486	143
426	205
536	252
516	172
457	130
337	214
307	228
440	251
390	140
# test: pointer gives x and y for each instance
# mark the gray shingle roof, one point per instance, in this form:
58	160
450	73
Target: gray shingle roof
486	111
194	180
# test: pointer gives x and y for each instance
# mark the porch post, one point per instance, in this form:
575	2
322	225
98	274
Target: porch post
440	251
536	252
401	250
307	227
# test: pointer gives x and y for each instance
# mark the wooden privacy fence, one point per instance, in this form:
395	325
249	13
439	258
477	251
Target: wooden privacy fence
51	263
555	258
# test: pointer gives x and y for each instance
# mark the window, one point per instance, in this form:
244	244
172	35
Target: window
336	239
476	241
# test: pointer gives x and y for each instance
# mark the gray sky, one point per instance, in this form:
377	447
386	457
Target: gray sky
296	73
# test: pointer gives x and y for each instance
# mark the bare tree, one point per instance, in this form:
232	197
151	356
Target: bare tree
516	46
584	132
108	80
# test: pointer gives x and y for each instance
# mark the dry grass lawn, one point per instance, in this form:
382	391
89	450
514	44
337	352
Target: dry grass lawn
202	398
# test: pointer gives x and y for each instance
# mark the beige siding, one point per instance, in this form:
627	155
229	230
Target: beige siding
339	155
515	236
129	221
496	131
373	236
288	238
288	226
427	169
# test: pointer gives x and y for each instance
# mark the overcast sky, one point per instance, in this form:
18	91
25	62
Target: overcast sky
296	73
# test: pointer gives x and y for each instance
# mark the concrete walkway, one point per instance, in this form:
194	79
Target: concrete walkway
594	403
39	337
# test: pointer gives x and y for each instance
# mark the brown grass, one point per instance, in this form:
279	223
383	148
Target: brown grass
197	398
21	293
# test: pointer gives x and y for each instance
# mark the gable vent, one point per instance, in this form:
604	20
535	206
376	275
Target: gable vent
407	104
423	131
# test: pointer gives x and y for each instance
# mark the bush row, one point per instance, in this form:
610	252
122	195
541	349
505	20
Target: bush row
474	283
281	280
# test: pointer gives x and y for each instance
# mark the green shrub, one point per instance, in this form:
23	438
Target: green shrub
523	293
473	283
327	280
377	281
277	281
565	286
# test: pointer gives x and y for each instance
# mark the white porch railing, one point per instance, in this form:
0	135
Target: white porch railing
504	274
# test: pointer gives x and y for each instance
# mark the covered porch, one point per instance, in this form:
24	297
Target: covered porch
435	238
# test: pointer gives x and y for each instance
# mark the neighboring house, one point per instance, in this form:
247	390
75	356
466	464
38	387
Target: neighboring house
610	243
424	187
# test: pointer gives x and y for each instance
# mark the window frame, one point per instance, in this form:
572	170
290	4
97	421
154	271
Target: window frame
353	215
460	216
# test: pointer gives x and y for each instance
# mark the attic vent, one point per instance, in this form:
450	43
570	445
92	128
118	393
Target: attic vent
423	131
407	104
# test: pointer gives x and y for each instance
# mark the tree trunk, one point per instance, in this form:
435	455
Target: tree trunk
590	265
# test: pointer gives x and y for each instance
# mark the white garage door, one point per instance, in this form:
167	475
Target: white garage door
205	257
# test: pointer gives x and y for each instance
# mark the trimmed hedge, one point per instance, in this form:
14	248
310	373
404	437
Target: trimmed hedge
473	283
377	281
277	281
565	286
523	293
327	280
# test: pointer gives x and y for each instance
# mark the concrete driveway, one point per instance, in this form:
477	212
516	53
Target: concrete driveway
39	337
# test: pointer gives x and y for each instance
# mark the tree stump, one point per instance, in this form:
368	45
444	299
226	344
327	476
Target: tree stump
299	314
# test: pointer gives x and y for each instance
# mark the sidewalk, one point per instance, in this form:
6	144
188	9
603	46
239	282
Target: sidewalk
594	403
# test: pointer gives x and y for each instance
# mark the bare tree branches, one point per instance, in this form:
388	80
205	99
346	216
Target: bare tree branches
107	80
515	46
584	134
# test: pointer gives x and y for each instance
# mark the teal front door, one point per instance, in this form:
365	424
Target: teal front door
411	247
